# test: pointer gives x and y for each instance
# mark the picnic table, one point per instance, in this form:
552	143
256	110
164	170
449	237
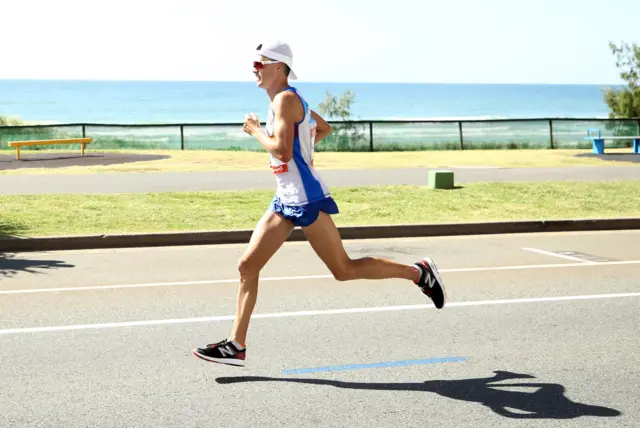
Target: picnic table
598	140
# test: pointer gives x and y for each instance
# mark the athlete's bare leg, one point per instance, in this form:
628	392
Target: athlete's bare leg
270	233
325	239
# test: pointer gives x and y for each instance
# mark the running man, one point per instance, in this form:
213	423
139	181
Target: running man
301	199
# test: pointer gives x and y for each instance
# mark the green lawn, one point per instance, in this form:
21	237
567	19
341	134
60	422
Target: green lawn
212	160
47	215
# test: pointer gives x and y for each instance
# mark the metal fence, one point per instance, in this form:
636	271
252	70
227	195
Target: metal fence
388	135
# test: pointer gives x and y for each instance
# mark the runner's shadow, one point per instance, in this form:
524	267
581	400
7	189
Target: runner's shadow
9	266
547	401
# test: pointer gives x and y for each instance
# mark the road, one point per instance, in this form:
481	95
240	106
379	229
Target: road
242	180
103	337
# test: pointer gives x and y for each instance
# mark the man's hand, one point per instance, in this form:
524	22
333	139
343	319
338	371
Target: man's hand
322	129
251	124
287	111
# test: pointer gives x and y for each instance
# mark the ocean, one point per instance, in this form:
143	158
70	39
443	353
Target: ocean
131	102
111	103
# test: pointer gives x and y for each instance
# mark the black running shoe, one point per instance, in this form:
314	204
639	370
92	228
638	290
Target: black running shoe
224	352
430	282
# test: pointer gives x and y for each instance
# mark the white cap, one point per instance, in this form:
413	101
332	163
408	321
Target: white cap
278	51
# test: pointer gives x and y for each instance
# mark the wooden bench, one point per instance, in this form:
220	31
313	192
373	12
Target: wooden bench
598	141
18	144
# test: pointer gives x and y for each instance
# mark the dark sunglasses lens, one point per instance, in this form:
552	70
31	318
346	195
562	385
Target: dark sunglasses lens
257	65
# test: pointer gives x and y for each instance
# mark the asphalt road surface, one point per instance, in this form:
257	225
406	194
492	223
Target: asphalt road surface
540	331
243	180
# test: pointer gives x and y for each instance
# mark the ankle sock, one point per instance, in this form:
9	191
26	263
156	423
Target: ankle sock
419	270
239	346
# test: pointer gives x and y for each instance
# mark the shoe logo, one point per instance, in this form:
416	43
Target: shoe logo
430	280
226	352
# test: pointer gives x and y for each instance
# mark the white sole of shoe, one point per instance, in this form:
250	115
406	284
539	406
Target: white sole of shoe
228	361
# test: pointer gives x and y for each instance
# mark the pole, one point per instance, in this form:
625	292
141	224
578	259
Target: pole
461	136
370	136
551	132
181	137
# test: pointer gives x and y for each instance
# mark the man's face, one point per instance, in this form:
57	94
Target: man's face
265	73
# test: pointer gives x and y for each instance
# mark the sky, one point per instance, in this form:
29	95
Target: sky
452	41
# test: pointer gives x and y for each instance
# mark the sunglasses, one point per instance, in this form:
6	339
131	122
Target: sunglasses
259	65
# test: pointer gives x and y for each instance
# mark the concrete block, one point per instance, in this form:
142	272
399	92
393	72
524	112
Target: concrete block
440	179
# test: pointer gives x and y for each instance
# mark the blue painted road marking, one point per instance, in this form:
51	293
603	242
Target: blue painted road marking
377	365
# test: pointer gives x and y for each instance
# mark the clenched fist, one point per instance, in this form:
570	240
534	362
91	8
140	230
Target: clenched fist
251	124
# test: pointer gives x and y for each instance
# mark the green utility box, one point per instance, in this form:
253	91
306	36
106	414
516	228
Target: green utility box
440	179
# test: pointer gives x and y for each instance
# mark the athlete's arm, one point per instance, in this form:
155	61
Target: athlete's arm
281	144
323	129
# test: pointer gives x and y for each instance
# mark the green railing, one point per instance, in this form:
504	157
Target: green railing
389	135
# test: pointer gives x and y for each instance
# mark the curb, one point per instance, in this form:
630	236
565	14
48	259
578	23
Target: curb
85	242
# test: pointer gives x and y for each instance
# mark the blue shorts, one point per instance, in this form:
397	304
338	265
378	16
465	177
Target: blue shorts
303	215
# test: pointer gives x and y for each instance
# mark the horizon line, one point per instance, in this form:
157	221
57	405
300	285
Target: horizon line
293	82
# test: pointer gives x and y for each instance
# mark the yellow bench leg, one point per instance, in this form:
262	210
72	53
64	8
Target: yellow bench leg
83	144
17	152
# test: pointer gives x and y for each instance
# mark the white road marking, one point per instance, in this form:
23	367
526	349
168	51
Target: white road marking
311	313
296	278
562	256
554	265
159	284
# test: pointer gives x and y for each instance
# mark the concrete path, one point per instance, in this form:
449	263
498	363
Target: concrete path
538	327
242	180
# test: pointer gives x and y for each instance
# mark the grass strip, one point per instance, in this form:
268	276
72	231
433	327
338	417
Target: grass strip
69	214
209	160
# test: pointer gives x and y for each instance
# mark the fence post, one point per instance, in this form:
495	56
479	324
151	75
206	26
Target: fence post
461	136
638	127
370	136
84	131
181	137
551	132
